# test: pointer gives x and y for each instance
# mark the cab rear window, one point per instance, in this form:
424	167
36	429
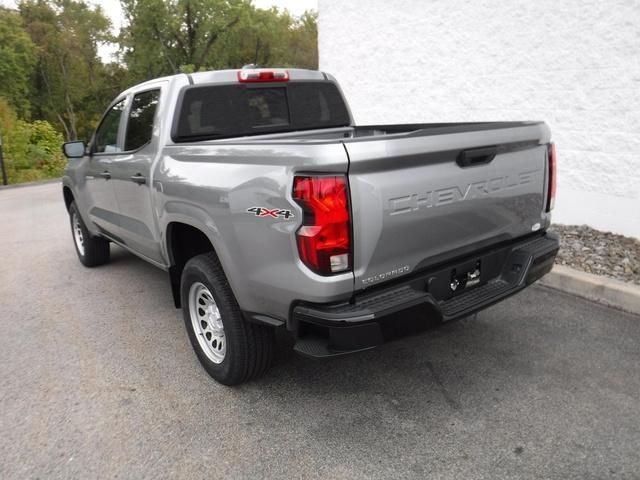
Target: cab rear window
222	111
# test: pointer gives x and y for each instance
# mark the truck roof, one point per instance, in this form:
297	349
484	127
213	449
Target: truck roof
226	76
231	75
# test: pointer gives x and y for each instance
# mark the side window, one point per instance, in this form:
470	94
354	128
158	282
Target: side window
107	133
140	124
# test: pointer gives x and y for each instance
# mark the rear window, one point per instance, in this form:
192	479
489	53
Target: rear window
221	111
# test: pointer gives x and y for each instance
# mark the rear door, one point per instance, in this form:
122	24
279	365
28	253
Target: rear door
132	175
106	147
423	198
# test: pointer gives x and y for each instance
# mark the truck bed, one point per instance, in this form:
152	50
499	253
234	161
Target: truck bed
369	131
425	129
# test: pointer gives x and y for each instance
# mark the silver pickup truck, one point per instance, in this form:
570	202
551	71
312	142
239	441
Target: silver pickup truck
271	210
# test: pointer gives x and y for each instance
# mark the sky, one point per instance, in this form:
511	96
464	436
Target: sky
112	9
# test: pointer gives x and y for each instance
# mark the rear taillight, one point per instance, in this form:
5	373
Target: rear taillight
553	175
324	239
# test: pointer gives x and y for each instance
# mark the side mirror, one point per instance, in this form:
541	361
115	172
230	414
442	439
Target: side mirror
75	149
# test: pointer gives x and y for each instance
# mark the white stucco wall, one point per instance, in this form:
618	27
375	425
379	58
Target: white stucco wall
573	63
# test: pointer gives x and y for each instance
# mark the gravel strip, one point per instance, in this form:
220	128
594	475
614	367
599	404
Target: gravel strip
600	253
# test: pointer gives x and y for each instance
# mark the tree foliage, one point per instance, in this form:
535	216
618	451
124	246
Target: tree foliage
163	37
17	60
54	84
167	37
31	150
69	80
266	37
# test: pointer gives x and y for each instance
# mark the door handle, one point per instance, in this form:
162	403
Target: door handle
106	175
139	179
476	156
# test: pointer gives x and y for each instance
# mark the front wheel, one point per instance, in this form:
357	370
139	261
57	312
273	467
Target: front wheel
229	348
92	251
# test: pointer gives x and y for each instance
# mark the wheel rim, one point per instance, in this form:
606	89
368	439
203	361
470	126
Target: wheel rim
78	237
207	322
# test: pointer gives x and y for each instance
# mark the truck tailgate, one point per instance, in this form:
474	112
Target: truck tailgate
424	197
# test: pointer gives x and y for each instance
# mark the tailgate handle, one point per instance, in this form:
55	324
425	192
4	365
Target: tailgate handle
476	156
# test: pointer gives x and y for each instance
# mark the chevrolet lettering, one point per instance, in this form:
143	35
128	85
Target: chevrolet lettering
445	196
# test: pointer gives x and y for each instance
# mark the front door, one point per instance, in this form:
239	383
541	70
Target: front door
104	150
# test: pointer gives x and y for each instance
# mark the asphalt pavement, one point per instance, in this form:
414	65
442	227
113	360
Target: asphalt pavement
98	380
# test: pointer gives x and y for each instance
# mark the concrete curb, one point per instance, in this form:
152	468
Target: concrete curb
610	292
29	184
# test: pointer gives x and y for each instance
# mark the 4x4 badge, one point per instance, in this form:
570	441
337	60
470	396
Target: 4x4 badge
270	212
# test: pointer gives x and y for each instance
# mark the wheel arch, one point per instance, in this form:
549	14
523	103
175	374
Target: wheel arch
183	242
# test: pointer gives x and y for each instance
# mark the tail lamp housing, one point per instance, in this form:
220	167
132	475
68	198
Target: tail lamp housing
324	238
553	175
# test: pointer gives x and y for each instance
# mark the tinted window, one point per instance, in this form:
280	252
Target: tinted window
140	125
235	110
106	139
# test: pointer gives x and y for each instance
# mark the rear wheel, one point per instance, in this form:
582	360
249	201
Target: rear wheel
92	251
230	349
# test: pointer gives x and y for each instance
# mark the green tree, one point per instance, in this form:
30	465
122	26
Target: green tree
269	38
259	38
166	37
17	60
31	149
302	48
68	83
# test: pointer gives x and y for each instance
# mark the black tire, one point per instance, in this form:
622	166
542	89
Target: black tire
96	249
249	347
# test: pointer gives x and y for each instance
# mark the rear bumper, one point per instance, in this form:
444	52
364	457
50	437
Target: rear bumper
337	329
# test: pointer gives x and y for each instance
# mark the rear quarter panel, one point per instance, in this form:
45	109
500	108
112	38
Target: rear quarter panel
211	186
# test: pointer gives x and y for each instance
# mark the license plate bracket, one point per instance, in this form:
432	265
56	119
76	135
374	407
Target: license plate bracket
466	276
